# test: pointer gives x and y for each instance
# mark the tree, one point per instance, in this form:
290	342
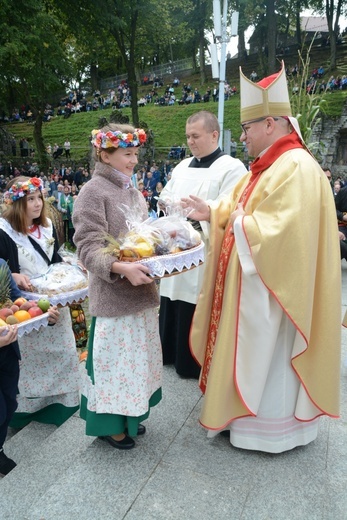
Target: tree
332	10
33	58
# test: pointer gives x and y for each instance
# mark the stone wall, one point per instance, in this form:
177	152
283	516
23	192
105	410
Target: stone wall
331	134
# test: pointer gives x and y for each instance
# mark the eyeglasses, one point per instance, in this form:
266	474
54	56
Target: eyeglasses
244	126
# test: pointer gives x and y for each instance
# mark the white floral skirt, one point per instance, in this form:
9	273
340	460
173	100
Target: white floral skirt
49	367
126	364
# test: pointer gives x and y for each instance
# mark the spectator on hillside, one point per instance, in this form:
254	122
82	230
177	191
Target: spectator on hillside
86	176
67	147
253	76
53	186
149	181
78	176
141	188
142	102
24	145
215	93
233	147
164	170
196	96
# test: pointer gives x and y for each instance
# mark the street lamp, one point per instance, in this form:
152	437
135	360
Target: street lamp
221	34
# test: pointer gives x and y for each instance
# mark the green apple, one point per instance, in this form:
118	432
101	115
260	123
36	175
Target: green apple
44	304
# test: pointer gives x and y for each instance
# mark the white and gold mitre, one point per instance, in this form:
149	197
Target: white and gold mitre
268	97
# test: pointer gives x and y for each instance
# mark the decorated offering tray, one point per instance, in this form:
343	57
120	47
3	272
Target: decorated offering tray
65	298
62	284
167	246
34	324
163	266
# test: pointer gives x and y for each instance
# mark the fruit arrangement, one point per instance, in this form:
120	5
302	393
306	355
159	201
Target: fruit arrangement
164	236
79	325
22	310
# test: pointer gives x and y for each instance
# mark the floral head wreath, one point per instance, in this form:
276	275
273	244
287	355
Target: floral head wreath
117	139
20	189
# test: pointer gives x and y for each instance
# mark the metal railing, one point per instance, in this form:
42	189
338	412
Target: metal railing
174	67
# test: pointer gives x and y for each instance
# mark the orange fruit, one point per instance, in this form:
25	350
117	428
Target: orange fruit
22	316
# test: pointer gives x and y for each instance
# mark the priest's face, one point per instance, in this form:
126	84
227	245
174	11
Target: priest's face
201	141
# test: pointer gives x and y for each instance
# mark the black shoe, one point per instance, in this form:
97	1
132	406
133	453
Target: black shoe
141	430
6	464
125	444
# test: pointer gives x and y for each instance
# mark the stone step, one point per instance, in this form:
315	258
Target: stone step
43	453
25	441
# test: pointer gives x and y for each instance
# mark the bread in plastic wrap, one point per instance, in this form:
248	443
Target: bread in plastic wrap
59	278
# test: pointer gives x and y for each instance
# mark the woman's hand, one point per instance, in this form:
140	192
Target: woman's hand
199	209
23	281
81	266
53	315
8	335
136	273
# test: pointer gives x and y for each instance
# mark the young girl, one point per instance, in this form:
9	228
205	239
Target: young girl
124	364
9	373
49	375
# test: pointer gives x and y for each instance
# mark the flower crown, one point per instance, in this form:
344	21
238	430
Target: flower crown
20	189
117	139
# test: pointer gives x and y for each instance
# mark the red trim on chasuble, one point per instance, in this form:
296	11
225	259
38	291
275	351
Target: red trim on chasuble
282	145
224	256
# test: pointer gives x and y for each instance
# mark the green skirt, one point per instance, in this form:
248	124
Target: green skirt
53	414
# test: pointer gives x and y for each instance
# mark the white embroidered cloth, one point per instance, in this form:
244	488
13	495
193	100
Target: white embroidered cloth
169	265
34	324
63	299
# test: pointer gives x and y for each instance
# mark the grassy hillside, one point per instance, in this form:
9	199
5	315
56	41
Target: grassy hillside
166	123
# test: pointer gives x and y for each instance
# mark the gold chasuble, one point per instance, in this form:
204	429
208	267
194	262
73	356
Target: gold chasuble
291	237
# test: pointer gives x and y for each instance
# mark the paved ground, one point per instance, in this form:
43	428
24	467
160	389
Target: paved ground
175	472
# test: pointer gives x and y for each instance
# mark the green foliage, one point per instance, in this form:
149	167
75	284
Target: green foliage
33	55
307	108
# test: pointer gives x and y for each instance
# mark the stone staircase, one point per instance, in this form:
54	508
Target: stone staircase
43	453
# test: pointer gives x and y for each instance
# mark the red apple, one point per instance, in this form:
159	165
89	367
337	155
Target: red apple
14	308
35	311
5	312
25	306
20	301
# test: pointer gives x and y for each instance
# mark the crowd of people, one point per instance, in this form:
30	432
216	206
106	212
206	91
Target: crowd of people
118	97
253	333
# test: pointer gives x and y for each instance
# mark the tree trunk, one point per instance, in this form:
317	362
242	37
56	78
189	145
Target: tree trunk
271	35
39	143
297	19
333	28
94	77
132	82
241	46
332	50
